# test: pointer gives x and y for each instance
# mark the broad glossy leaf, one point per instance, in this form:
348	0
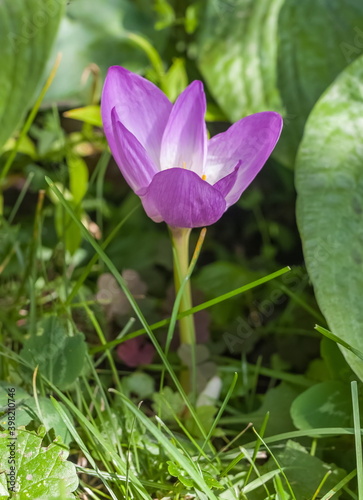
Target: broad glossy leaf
311	54
277	55
27	32
329	182
237	55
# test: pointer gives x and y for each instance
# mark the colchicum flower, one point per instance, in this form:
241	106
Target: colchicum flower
165	156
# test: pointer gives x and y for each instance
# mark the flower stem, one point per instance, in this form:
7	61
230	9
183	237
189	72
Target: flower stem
180	239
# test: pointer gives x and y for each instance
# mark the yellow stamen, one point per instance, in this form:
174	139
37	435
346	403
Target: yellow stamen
204	177
184	164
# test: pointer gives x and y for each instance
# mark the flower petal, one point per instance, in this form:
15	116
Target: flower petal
142	108
184	142
182	199
232	186
250	140
130	156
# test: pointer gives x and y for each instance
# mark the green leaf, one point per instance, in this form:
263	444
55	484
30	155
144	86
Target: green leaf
49	417
299	465
141	384
4	493
180	473
277	402
191	20
206	416
165	13
42	472
311	55
176	471
27	32
237	54
25	146
327	404
329	182
78	177
166	403
260	55
60	358
88	114
95	35
176	79
67	230
336	365
20	395
27	410
212	481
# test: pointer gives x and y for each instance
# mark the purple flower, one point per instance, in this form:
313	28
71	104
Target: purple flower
165	156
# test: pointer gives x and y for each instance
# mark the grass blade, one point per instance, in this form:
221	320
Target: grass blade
277	463
340	485
169	447
331	336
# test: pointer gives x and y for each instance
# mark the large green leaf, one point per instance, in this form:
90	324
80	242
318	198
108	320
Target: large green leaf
238	53
277	55
329	182
41	472
27	32
312	34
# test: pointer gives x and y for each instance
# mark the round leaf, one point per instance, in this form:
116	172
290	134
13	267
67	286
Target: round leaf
327	404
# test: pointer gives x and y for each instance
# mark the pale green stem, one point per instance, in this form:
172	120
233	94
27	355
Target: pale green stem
180	239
